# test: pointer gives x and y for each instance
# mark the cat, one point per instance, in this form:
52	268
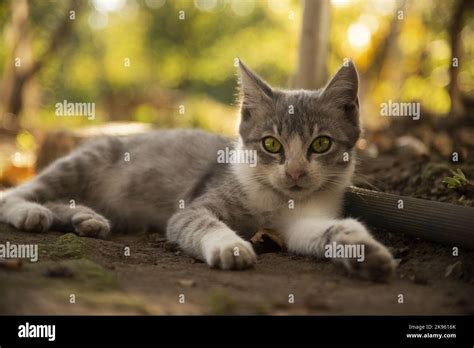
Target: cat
170	181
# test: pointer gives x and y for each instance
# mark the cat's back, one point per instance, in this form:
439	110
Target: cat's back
152	173
190	145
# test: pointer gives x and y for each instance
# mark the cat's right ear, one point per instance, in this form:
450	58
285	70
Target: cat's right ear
253	89
342	91
343	87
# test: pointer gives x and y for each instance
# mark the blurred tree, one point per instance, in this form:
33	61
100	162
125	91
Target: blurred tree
460	7
388	48
20	66
314	45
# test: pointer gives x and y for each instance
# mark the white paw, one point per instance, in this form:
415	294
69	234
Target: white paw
377	263
228	251
88	224
31	217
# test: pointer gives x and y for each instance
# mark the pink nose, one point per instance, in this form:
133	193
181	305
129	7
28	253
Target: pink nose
295	175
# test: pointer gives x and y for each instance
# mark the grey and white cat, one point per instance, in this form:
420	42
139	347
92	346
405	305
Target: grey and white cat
170	180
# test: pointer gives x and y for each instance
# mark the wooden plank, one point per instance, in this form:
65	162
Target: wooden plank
439	222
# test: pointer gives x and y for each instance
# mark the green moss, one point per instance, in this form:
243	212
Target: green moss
220	302
261	309
67	246
91	274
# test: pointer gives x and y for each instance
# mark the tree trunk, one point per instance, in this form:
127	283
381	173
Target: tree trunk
457	107
18	73
387	50
13	78
314	45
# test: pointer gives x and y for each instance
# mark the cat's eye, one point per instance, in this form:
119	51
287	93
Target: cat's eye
321	144
271	144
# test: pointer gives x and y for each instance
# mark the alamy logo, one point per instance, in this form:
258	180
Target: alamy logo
391	108
345	251
236	156
37	331
19	251
75	109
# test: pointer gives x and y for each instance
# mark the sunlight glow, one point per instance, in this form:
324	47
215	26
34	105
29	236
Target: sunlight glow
340	3
383	7
205	5
108	5
242	7
358	35
155	4
98	20
279	6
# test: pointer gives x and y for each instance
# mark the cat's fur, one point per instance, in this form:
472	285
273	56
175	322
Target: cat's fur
173	182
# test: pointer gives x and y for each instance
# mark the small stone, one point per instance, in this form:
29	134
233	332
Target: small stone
466	135
411	146
186	282
443	143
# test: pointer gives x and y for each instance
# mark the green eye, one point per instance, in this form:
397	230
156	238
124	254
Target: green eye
271	144
321	144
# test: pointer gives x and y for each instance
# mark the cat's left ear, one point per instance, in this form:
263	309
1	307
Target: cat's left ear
254	90
342	90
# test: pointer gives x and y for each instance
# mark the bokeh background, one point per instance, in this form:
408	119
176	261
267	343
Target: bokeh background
141	60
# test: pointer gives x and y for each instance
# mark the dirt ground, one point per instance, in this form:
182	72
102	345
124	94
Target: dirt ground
155	275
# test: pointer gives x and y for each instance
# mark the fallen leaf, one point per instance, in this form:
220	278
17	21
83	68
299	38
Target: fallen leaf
267	241
455	270
13	264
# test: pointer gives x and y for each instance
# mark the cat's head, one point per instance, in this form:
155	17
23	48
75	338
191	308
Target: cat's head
304	139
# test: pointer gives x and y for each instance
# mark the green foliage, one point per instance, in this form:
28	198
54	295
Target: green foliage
457	181
196	55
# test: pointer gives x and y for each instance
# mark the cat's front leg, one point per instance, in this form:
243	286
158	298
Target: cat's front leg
202	235
346	241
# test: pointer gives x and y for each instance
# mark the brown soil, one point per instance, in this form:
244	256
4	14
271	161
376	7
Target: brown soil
414	158
152	278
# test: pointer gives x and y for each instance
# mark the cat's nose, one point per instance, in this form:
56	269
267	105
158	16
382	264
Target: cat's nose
295	174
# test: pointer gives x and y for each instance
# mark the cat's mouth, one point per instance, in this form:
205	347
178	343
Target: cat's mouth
296	188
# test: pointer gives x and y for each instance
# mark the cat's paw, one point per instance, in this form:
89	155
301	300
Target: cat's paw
88	224
228	252
31	217
374	261
378	264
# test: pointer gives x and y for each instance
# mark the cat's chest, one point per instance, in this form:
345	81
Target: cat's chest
293	210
